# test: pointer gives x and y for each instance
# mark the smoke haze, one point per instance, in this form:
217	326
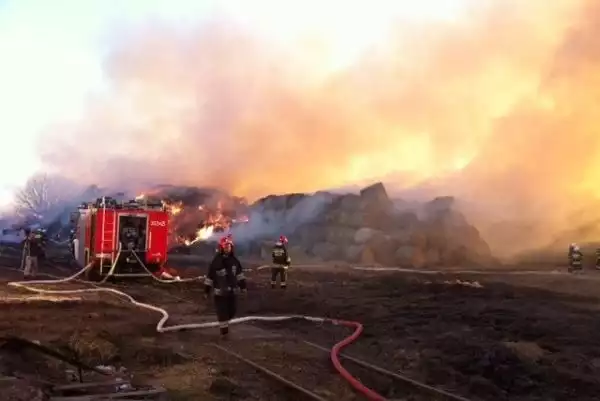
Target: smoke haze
497	107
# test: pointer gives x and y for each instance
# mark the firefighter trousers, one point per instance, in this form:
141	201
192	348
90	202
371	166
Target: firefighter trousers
226	308
31	266
280	272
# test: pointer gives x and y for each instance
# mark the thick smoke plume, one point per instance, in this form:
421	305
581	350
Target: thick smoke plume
498	108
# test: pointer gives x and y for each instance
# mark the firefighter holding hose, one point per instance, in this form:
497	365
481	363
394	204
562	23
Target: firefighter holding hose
575	258
281	262
225	275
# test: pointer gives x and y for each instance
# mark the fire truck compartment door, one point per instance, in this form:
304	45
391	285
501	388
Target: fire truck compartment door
139	223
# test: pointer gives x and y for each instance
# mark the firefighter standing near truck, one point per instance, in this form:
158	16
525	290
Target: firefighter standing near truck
225	275
32	252
281	262
41	238
73	243
575	258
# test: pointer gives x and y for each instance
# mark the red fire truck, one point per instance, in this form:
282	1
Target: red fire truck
130	236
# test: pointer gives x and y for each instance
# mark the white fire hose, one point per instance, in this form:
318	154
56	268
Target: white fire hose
160	327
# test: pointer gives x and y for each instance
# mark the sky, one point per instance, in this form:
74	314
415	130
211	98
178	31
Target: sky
53	51
494	101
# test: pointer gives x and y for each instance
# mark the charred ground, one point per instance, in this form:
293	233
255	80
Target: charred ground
500	341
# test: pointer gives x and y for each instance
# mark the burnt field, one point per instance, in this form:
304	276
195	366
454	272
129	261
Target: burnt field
493	339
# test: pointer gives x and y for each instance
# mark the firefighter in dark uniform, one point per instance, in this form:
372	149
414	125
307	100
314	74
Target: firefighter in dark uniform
575	258
281	261
41	238
225	275
598	258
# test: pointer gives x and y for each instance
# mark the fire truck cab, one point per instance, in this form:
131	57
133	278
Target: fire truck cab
120	238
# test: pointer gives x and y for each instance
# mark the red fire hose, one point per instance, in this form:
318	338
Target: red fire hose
335	359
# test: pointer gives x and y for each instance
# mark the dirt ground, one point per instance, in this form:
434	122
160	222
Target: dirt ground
486	337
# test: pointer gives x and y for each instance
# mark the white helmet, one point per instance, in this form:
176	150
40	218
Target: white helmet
574	247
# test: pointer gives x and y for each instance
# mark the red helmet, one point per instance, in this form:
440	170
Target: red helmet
223	242
283	239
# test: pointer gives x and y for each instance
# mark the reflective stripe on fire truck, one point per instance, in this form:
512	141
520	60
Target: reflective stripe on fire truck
103	255
240	276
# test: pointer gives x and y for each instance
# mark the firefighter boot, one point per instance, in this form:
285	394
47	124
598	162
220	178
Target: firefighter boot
283	281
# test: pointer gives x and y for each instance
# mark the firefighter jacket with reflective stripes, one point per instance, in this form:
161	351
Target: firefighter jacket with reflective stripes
280	255
575	258
224	275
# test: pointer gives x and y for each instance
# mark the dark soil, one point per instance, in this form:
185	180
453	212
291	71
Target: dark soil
499	342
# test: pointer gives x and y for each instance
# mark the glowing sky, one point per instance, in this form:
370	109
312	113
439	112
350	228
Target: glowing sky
493	101
52	50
